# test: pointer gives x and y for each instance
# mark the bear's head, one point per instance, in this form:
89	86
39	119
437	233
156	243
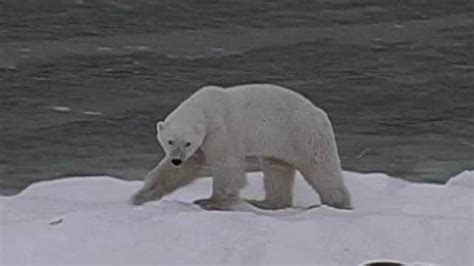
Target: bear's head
179	142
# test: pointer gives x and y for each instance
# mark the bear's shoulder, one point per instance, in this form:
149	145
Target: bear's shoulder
208	95
209	90
207	99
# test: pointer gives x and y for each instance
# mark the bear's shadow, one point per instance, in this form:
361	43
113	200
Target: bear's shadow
178	206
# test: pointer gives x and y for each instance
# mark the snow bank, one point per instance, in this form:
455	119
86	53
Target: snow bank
89	221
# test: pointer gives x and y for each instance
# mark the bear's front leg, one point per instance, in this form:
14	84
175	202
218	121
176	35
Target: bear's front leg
149	190
228	180
165	178
225	154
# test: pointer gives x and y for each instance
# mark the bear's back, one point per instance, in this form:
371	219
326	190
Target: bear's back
269	98
271	114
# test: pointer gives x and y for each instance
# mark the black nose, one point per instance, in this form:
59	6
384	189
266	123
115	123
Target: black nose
176	162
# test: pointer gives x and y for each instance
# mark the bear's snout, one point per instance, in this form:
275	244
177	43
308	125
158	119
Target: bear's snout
176	162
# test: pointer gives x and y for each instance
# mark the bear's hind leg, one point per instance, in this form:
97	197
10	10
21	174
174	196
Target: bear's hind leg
328	183
278	178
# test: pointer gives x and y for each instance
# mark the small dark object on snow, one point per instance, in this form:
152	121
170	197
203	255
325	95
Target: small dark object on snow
55	222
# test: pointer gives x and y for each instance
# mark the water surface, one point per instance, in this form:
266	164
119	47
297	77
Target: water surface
396	79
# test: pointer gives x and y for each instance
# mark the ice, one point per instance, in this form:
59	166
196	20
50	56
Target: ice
61	108
88	220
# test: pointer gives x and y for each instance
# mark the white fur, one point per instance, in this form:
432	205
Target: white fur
223	126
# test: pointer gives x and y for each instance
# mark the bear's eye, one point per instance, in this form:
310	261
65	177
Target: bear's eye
188	144
170	142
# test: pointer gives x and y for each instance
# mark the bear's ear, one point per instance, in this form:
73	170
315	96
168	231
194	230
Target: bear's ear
199	128
159	126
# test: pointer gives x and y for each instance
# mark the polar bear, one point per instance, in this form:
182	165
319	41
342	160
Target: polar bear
216	128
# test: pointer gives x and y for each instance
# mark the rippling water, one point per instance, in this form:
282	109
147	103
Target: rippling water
396	79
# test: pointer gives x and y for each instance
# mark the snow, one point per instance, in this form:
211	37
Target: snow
88	220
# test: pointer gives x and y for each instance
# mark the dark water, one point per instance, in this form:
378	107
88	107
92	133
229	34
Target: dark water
396	78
